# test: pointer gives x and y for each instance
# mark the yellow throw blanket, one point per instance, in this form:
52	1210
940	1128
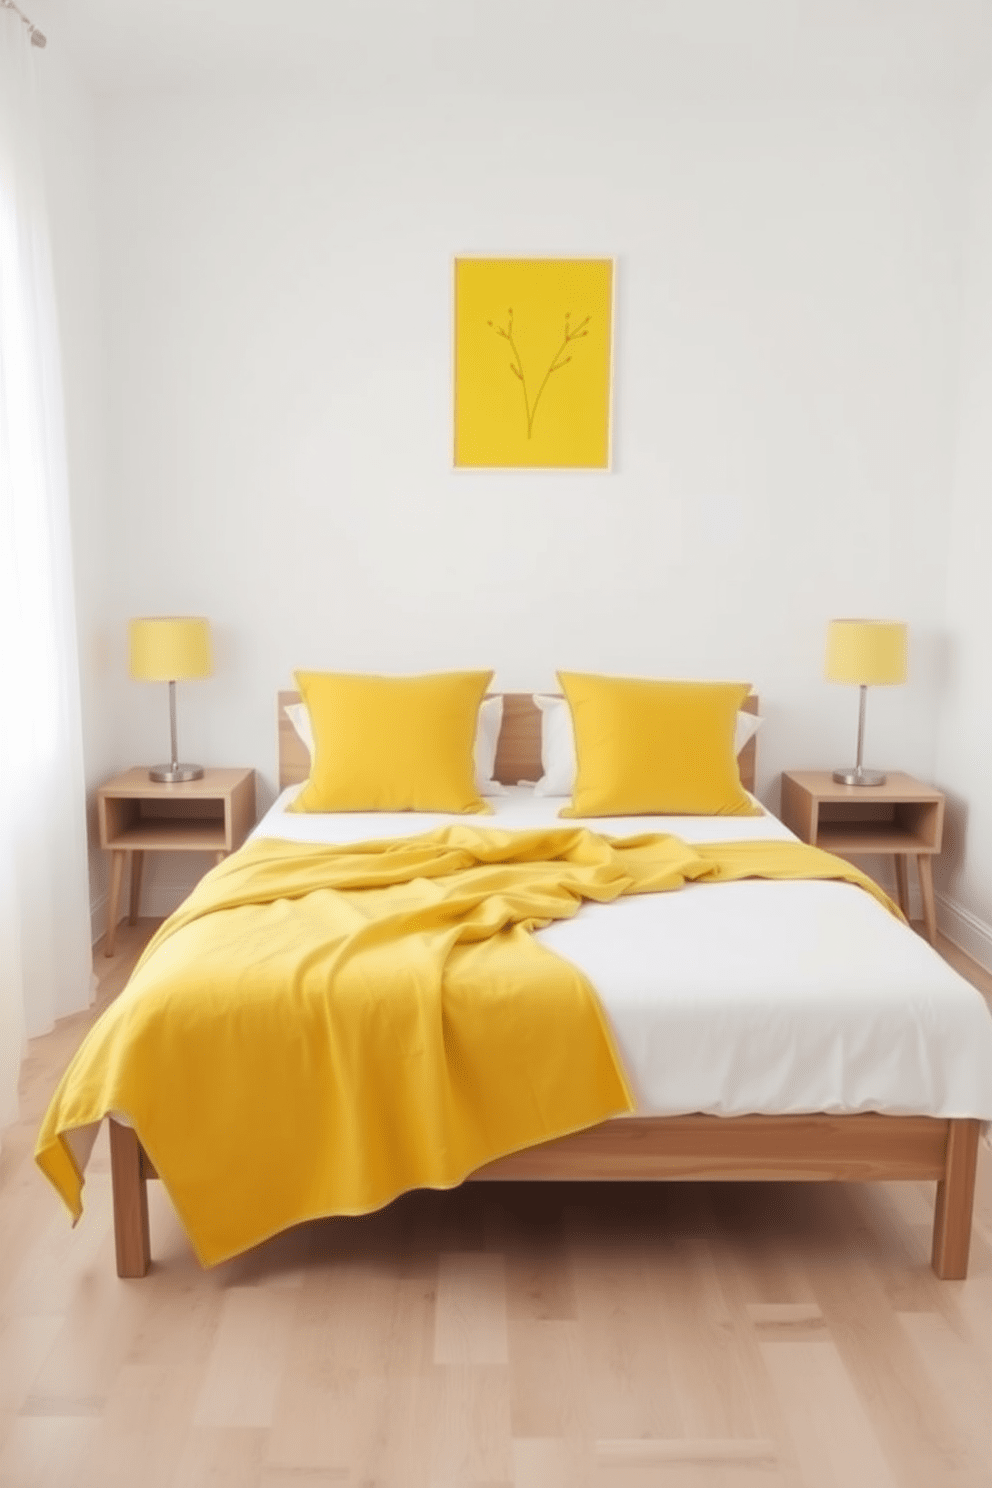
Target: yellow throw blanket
319	1029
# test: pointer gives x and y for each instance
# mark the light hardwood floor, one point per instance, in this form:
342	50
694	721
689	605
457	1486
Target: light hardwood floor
607	1336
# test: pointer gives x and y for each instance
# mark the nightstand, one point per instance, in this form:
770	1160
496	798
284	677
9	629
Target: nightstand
902	818
137	815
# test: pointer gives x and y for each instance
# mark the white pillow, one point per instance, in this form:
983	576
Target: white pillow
558	744
486	740
484	753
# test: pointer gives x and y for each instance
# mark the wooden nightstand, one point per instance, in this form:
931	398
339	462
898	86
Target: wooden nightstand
138	815
902	818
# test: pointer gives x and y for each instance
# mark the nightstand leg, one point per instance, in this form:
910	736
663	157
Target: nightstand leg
902	882
113	901
219	857
137	865
925	867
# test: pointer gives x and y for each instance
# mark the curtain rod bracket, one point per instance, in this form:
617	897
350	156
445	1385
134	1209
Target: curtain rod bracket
38	38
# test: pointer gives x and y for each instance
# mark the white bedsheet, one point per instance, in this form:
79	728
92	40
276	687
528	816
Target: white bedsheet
767	997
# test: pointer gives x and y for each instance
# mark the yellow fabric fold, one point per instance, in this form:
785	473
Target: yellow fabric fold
319	1029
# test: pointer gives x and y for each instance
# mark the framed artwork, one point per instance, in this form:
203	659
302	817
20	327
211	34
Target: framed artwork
533	361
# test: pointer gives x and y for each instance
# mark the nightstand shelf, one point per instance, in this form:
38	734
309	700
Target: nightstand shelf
901	819
138	815
171	834
846	837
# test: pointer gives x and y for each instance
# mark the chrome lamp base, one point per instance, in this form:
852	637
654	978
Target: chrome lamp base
858	775
175	773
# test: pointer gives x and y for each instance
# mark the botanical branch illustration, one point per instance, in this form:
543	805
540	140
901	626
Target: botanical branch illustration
559	360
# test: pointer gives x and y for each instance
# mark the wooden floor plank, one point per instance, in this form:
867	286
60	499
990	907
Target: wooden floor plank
468	1425
826	1418
222	1457
624	1340
45	1451
539	1281
922	1446
313	1427
248	1358
548	1379
470	1316
280	1477
552	1462
95	1339
25	1343
708	1347
966	1392
141	1434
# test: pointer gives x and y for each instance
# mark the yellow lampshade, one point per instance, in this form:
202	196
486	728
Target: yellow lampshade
866	652
170	648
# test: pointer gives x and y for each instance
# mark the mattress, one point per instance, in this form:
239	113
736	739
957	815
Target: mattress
743	998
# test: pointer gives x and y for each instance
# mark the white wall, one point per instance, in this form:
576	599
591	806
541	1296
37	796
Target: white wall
964	754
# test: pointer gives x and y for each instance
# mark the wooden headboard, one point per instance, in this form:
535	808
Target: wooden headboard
518	754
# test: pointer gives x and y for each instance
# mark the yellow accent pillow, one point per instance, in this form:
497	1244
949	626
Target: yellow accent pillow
646	748
392	743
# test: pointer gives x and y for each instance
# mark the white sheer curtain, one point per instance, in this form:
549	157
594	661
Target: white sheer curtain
45	956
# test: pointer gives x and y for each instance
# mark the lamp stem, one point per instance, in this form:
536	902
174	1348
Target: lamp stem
861	727
175	747
859	775
173	773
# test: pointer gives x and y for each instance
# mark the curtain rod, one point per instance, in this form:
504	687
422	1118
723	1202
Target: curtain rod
38	38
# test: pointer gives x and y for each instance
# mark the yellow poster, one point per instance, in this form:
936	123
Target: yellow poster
533	343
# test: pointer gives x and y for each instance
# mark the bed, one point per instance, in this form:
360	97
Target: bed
749	1139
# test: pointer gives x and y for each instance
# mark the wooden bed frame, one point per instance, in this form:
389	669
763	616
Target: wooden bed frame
839	1148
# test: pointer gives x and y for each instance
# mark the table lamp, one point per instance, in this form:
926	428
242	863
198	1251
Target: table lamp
869	653
171	648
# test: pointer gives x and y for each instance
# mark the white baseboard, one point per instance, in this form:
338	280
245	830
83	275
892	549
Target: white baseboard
966	930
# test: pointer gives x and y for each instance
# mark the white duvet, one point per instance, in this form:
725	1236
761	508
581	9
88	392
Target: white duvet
767	997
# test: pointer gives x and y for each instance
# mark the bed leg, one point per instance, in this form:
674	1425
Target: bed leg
130	1202
955	1200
